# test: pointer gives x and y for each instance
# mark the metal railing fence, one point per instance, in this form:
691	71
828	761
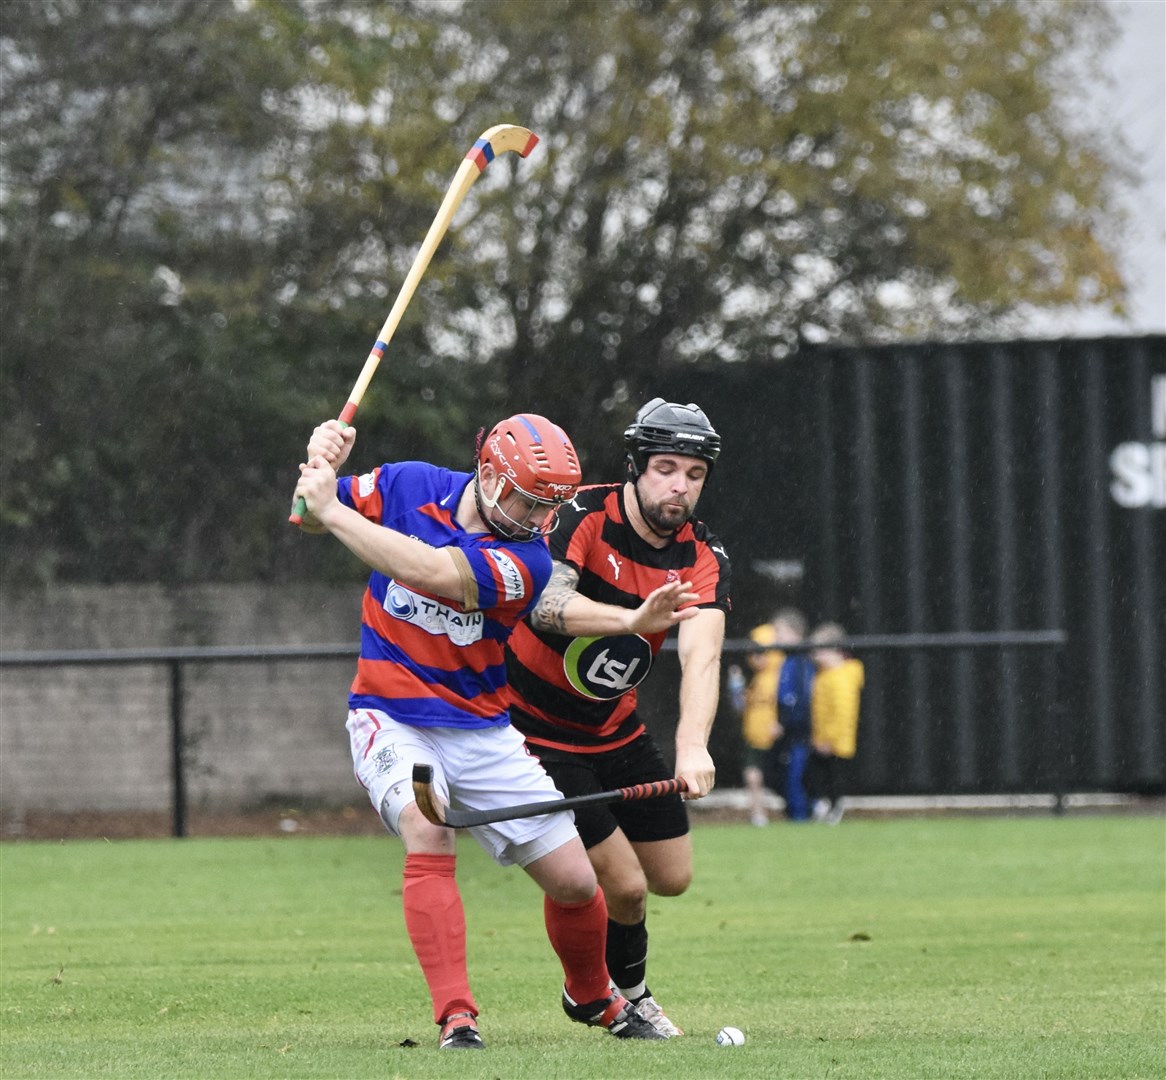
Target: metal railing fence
177	658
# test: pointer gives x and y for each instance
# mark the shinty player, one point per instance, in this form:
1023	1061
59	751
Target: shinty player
457	559
630	563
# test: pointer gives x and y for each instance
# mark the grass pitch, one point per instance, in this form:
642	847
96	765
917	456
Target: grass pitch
918	948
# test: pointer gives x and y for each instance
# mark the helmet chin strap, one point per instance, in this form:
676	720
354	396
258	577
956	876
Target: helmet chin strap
485	505
489	504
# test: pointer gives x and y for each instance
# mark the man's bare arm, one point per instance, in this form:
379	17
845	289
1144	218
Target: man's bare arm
562	609
548	612
699	645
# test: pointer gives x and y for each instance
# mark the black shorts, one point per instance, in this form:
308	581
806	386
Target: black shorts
639	762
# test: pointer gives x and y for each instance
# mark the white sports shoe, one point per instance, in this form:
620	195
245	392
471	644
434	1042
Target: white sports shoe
649	1009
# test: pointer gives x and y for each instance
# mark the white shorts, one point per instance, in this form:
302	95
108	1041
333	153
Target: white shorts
472	770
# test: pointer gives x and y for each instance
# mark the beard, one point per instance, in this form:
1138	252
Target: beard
664	518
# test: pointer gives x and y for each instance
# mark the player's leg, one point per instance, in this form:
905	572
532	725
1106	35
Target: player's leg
383	753
436	924
620	875
667	864
495	769
647	851
576	921
576	917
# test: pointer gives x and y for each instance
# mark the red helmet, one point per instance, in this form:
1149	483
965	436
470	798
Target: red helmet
535	457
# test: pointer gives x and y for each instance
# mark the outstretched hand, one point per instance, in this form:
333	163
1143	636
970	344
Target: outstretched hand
660	609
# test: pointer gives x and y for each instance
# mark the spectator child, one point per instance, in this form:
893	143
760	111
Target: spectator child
834	721
759	727
791	755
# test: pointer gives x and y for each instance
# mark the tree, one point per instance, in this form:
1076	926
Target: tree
727	179
207	209
183	255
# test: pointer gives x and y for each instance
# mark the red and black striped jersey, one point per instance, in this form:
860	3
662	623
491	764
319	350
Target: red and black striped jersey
579	694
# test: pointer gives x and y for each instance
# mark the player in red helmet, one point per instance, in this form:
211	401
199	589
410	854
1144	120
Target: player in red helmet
454	569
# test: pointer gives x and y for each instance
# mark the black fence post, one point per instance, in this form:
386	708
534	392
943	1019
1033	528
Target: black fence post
1062	757
177	739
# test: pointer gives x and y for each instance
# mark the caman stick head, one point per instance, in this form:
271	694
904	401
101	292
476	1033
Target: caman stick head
427	801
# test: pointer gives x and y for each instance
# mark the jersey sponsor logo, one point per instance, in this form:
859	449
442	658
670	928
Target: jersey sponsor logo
432	616
616	564
366	484
603	668
511	575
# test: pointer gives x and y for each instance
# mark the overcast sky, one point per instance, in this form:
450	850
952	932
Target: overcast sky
1137	103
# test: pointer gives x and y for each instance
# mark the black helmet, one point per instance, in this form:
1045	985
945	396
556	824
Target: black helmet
664	427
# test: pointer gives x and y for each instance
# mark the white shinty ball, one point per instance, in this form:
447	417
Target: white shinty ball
730	1036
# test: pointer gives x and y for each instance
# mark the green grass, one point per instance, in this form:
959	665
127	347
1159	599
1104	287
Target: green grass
967	947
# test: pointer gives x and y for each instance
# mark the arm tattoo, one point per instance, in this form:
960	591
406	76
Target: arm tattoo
548	612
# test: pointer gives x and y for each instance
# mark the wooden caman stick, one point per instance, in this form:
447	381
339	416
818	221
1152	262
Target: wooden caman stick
440	814
490	144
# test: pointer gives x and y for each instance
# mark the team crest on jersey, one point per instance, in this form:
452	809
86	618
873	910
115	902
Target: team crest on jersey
366	484
603	668
511	575
384	760
432	616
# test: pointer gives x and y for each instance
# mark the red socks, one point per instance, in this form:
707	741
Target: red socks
578	934
436	922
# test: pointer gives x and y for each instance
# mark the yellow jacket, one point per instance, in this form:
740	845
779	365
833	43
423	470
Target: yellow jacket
761	694
834	707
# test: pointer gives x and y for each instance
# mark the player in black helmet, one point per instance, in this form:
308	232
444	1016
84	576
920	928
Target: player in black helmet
630	562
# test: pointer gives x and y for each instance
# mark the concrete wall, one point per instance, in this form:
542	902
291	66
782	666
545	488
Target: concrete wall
98	738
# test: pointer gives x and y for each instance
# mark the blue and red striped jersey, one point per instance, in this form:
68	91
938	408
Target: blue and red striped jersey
424	659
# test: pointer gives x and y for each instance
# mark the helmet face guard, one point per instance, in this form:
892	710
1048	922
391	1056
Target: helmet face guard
665	427
533	458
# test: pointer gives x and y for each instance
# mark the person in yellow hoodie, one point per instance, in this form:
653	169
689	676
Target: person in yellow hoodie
757	702
834	710
758	710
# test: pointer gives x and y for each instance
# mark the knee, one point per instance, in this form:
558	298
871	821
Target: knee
627	896
671	882
573	888
421	836
568	877
574	892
